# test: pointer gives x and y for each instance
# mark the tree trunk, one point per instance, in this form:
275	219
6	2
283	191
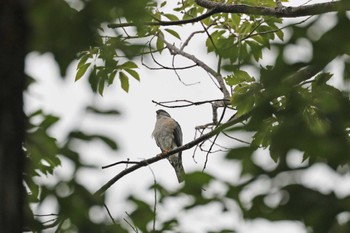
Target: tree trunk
12	82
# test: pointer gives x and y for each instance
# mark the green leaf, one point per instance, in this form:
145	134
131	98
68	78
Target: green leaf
243	99
93	80
133	73
160	43
321	79
174	33
240	153
89	137
81	71
142	215
256	50
111	77
124	81
128	65
163	4
280	34
101	86
102	111
171	17
238	77
83	60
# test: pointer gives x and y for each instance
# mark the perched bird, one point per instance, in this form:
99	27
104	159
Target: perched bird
168	135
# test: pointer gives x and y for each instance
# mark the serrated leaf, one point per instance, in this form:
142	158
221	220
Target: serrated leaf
243	99
124	80
134	74
238	77
81	71
174	33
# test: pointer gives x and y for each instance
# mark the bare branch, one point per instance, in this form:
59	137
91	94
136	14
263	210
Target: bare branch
223	102
132	227
120	162
236	139
174	50
189	38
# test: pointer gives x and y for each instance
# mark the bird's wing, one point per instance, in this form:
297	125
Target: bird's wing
177	134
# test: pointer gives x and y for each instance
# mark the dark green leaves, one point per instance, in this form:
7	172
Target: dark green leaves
104	75
89	137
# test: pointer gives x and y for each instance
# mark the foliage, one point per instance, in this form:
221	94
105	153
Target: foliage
290	105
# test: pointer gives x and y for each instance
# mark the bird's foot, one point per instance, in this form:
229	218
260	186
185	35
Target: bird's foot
164	152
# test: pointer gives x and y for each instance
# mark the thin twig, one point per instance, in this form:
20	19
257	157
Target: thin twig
178	76
132	227
189	38
188	103
120	162
234	138
109	214
213	143
155	199
174	50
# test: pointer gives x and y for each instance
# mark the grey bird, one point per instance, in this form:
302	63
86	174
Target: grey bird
168	135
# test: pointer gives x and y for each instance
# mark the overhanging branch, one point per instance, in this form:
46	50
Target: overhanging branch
282	12
187	146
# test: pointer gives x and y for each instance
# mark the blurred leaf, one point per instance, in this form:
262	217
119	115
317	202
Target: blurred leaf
142	215
195	183
89	137
238	77
128	65
103	112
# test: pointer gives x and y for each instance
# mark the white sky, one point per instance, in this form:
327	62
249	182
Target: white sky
133	129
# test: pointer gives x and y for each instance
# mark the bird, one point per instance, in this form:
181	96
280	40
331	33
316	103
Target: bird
168	135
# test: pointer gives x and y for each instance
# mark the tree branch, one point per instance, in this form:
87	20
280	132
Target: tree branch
167	23
175	50
283	12
176	150
187	103
280	11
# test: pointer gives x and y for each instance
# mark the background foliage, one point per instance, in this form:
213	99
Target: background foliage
287	105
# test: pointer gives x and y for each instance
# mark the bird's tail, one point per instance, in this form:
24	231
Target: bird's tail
180	172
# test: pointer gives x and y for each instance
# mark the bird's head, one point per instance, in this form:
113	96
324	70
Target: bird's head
161	112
